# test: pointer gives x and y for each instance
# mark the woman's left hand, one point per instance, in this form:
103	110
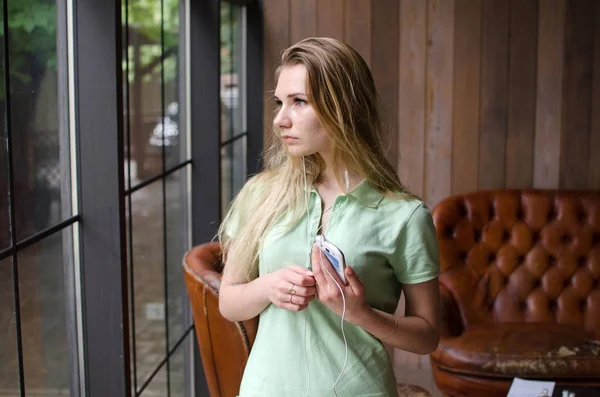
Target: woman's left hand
329	294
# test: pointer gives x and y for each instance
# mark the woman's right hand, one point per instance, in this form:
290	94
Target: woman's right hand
291	288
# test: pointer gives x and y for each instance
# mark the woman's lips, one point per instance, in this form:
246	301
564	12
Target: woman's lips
288	138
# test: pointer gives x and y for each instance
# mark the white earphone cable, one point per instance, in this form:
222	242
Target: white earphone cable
341	322
306	198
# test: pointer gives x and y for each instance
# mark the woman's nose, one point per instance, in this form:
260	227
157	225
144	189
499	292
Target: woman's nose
282	119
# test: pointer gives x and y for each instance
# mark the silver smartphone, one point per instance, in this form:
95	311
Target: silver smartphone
334	255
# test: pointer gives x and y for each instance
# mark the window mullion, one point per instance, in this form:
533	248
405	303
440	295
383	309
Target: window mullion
99	130
254	87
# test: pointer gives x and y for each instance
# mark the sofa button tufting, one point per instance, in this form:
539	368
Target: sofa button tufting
534	261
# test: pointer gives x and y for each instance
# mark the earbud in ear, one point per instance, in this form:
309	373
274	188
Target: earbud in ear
347	180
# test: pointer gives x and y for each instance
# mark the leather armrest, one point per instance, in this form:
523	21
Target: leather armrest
224	345
205	260
451	321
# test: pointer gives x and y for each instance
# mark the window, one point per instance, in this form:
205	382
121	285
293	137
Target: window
38	322
103	189
233	101
157	206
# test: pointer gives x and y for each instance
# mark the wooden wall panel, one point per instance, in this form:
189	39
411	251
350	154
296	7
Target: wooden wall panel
494	94
465	116
276	39
478	94
329	20
304	23
594	168
438	136
357	30
574	158
385	67
549	93
521	94
413	67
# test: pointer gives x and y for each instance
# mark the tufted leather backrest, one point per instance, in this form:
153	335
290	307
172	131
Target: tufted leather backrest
224	346
522	256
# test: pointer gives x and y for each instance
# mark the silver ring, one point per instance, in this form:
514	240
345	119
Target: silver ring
291	297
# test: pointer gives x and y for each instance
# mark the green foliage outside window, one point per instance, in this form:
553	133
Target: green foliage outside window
33	30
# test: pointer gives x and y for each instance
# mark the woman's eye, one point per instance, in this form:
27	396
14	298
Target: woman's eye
299	101
277	102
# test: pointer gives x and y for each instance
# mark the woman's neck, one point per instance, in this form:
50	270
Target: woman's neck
327	178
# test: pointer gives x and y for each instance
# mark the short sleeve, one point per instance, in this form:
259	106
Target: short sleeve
243	205
416	256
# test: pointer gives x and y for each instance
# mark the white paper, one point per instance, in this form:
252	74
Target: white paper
530	388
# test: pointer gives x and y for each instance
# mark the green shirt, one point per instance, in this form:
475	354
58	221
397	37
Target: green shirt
387	242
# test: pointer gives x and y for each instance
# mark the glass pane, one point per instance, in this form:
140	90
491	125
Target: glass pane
9	364
4	210
147	105
127	68
45	294
131	301
232	76
177	244
158	385
233	109
179	370
174	137
40	140
233	170
148	276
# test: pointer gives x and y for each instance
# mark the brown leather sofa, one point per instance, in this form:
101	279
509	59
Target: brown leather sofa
520	287
225	346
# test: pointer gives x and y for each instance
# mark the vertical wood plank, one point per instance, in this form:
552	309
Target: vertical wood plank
521	93
575	152
438	153
357	27
385	50
413	64
594	168
549	93
303	19
330	20
494	94
465	119
276	39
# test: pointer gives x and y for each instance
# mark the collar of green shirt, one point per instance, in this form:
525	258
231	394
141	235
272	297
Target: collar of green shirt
364	193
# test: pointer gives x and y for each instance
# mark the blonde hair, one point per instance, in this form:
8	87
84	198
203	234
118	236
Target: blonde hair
341	90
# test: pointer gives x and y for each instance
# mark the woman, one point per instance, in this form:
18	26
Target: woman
326	174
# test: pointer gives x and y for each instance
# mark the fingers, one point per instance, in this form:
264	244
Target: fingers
297	295
293	302
300	291
295	288
318	273
298	276
354	282
299	300
323	267
297	269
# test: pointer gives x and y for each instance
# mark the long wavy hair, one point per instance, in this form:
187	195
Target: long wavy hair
341	90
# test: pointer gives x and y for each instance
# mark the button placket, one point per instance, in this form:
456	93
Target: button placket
312	219
335	213
315	214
